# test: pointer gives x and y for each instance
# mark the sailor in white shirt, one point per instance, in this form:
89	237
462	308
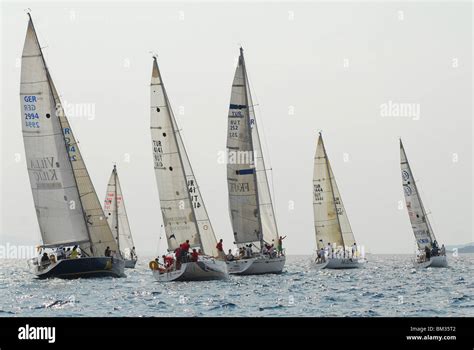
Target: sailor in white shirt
354	250
248	251
329	251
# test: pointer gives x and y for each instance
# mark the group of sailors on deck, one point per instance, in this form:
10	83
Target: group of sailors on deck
75	252
60	254
246	252
435	250
184	254
329	252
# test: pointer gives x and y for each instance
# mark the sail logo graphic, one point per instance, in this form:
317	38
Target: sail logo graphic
405	175
44	171
408	190
37	333
239	187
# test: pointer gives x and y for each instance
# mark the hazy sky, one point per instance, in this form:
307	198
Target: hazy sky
336	67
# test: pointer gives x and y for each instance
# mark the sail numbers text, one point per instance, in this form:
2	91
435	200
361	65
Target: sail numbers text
194	194
158	154
234	127
70	148
29	110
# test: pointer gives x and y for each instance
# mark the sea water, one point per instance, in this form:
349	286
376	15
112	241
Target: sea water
388	285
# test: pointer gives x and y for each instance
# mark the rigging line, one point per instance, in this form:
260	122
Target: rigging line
160	236
428	212
262	131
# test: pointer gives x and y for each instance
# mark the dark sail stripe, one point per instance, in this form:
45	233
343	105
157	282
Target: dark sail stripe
245	172
232	106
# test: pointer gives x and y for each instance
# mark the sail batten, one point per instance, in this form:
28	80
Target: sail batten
184	213
64	213
420	223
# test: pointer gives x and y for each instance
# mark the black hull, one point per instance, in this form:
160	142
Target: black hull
83	268
130	264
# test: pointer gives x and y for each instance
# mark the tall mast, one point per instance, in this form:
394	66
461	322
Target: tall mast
116	208
332	191
52	90
244	68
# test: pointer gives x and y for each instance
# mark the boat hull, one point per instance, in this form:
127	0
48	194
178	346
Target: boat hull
435	261
88	267
130	264
256	266
340	264
205	270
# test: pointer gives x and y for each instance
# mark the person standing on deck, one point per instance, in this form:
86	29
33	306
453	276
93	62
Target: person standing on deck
427	253
133	254
220	250
354	250
280	246
248	251
329	251
322	255
442	250
185	250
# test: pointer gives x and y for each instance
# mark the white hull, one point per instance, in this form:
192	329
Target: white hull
205	270
256	266
340	263
435	261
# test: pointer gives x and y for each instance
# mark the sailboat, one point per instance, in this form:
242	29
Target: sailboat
420	223
114	208
185	217
68	210
250	202
335	240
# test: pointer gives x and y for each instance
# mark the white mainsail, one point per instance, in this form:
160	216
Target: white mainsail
66	203
330	218
419	220
250	203
116	214
184	214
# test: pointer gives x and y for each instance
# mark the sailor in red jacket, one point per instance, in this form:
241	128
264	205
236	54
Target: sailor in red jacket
194	256
220	250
